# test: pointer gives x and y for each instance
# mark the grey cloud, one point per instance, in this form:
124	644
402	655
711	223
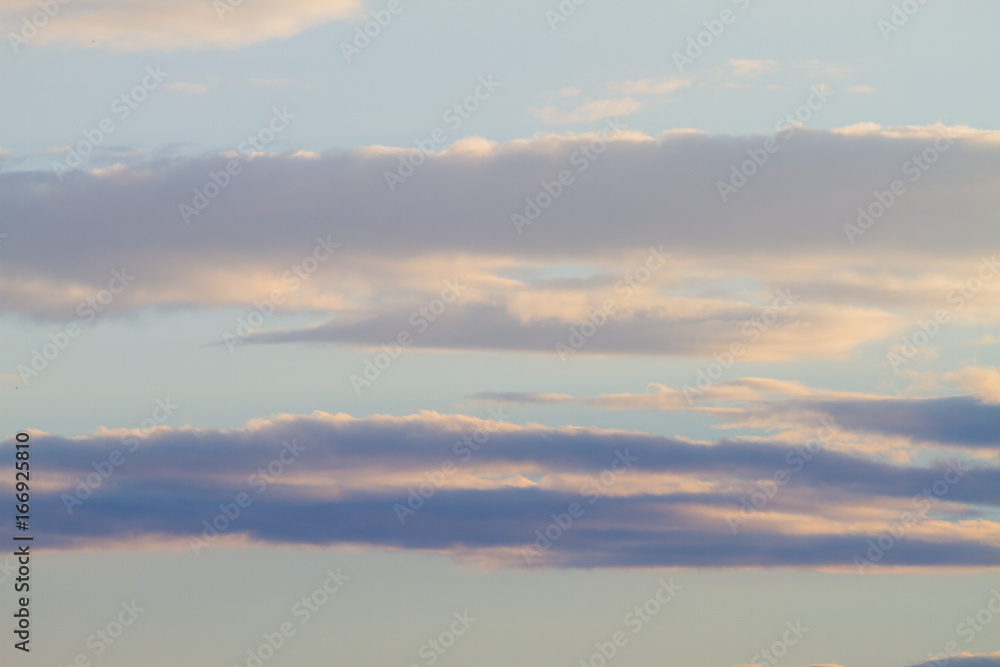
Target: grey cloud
634	195
179	477
956	420
492	327
964	661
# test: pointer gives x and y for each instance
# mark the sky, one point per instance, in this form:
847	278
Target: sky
550	333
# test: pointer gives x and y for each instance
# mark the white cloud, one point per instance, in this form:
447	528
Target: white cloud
167	25
591	111
983	381
753	67
618	98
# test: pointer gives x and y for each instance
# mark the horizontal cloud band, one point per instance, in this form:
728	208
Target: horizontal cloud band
467	487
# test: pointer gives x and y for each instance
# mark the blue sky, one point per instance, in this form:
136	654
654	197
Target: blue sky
494	272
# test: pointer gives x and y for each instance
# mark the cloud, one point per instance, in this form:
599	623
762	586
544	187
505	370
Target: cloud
980	380
570	91
812	333
966	660
667	502
619	98
522	398
453	218
752	67
665	189
591	111
930	132
959	420
793	408
168	25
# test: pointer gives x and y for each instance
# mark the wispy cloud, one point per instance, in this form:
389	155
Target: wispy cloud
168	25
618	98
590	112
748	68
